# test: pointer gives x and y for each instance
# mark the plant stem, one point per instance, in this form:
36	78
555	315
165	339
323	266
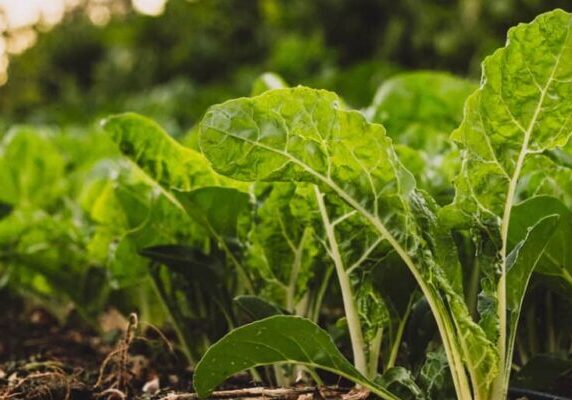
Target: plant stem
373	354
452	347
186	346
473	292
281	378
399	335
550	334
295	271
350	309
320	296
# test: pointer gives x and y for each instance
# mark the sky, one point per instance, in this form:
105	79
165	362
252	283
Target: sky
20	16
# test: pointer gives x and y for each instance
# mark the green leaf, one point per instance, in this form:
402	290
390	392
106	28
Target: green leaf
32	169
521	263
523	106
434	376
217	208
420	109
542	176
556	259
283	251
183	177
158	154
278	339
400	378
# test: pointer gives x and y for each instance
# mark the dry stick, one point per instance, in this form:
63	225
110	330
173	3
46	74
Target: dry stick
103	366
279	393
122	351
131	328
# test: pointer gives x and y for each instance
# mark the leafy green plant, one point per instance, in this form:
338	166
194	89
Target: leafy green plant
44	233
305	137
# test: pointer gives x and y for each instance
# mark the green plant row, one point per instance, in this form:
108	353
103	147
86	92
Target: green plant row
423	217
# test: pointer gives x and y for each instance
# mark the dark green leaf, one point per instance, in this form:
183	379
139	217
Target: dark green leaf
278	339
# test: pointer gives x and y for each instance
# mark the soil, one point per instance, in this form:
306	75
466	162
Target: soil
41	358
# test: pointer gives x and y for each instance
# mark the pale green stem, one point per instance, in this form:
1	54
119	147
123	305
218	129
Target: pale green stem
295	271
374	351
321	293
281	378
350	309
399	336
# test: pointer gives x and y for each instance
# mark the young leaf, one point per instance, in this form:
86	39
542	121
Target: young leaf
400	379
556	260
278	339
521	262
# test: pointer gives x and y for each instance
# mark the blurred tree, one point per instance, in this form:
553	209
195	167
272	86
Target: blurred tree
204	51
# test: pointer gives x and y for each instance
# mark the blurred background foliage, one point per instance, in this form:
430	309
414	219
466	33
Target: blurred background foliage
104	57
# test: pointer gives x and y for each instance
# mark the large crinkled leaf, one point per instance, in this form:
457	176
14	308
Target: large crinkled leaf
278	339
183	177
523	106
158	154
129	215
302	135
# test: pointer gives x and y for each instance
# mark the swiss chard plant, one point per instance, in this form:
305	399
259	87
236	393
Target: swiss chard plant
44	233
369	205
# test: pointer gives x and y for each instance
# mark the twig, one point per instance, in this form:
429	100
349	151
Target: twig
278	393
